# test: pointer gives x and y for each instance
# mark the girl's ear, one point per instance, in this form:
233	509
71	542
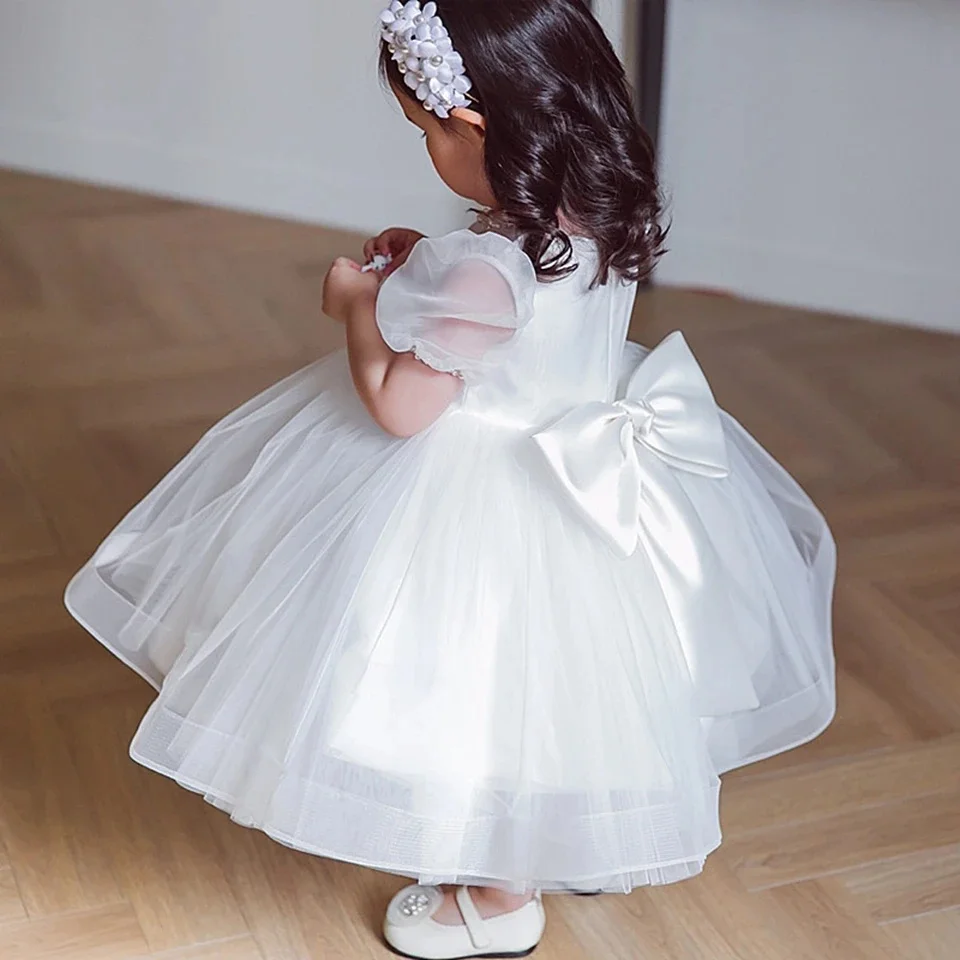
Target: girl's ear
476	120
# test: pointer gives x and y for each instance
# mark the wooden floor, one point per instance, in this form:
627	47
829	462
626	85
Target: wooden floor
127	325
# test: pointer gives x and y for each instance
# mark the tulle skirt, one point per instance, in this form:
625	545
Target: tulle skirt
411	655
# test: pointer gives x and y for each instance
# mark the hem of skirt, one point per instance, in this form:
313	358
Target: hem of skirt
221	802
818	731
88	577
803	741
77	602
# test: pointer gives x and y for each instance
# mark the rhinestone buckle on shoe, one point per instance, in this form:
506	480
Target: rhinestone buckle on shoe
414	904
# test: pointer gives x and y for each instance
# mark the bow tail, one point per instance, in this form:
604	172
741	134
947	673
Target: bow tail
694	586
592	454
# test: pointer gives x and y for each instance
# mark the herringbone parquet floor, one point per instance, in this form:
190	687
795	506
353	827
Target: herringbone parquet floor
128	324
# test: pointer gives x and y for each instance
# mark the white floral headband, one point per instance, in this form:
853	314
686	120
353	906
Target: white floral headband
423	50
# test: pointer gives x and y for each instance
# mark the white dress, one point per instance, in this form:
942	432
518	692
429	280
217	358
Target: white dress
517	649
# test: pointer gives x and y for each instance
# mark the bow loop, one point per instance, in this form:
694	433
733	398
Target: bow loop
601	452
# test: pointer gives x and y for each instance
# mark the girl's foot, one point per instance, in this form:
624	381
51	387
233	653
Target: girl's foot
493	925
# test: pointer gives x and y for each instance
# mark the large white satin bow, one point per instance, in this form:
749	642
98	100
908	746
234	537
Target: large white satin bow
606	454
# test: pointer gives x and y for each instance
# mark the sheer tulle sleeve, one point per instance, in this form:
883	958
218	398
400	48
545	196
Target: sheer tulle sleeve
458	302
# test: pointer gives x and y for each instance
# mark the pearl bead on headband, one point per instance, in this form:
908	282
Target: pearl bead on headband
421	45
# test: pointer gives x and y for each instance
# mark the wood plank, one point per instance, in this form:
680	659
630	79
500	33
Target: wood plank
924	882
300	906
935	937
821	790
11	906
839	931
110	933
158	837
45	822
237	948
906	664
798	852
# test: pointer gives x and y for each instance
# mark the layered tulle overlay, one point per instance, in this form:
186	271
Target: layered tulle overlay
419	655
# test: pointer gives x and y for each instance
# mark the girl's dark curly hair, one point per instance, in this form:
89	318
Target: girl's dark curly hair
562	138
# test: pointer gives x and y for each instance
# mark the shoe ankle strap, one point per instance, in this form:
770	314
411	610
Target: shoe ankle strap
475	924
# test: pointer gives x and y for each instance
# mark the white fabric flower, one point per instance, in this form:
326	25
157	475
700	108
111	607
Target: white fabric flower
424	53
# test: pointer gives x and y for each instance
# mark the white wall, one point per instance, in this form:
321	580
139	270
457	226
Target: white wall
812	150
613	15
272	106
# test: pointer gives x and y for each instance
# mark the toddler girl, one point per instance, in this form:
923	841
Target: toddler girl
491	599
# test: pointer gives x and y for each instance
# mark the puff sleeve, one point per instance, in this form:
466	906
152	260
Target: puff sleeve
458	302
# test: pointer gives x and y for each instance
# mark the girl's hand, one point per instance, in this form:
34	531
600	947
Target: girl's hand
396	242
345	287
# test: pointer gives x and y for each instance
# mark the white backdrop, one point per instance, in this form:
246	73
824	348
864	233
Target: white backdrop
613	15
274	107
812	150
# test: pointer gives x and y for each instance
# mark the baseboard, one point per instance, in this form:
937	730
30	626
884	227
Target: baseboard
928	298
293	191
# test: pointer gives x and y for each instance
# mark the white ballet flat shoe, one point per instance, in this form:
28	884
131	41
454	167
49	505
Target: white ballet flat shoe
411	931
